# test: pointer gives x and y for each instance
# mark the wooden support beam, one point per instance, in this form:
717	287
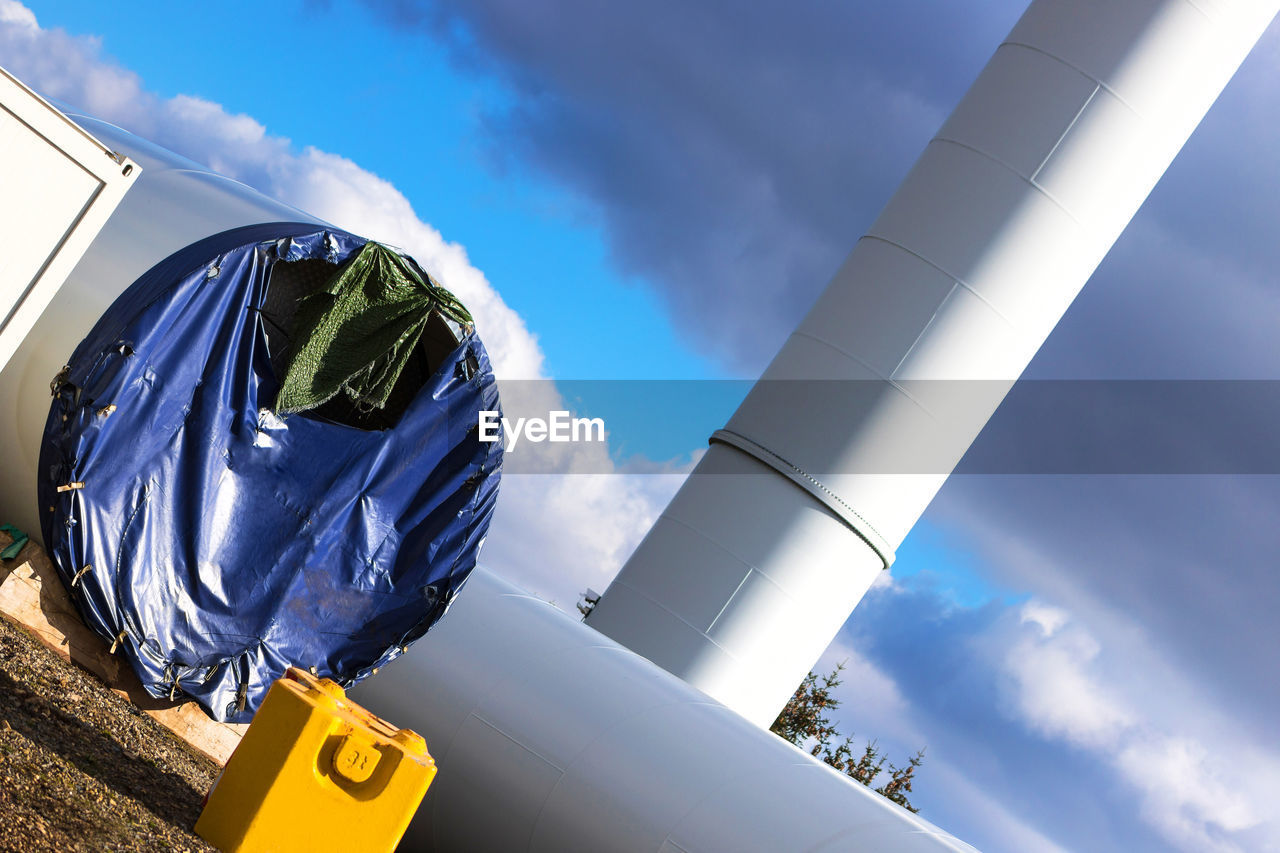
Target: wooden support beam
32	596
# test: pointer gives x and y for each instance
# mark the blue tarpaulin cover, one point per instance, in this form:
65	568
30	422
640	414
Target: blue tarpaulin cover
216	543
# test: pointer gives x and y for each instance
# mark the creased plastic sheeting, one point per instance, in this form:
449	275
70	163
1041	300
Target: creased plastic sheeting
355	335
216	542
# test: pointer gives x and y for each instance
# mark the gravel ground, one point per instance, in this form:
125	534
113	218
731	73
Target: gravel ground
82	769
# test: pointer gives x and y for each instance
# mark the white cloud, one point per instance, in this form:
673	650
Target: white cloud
339	191
14	13
1047	619
1197	798
1054	690
334	188
1081	667
1183	794
734	173
557	532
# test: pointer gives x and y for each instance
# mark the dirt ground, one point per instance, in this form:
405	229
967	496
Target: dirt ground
81	769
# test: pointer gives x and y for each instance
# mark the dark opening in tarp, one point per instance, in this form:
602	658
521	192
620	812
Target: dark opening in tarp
216	542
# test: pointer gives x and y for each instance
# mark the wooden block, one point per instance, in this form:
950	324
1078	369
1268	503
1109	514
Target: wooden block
32	596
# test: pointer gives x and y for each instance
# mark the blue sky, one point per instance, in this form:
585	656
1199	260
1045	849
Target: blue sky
336	77
659	191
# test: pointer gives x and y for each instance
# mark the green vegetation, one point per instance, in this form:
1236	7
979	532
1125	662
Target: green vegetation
805	723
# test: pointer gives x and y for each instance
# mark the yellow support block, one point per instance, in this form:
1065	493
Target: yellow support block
316	772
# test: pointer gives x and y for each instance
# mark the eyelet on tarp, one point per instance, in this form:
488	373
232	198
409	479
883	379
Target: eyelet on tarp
55	385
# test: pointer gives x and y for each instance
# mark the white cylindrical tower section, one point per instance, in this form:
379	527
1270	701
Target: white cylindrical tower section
551	738
833	456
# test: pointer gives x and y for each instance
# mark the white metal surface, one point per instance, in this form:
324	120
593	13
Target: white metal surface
173	203
551	738
59	185
775	537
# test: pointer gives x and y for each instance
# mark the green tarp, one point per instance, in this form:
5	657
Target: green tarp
356	334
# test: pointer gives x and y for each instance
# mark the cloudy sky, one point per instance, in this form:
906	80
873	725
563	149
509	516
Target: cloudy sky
658	191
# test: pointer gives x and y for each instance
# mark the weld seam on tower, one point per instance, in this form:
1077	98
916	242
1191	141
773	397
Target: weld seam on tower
1101	84
957	279
1065	133
1203	11
684	621
1029	181
879	374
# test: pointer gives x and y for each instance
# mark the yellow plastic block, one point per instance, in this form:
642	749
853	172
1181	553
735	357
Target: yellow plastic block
316	772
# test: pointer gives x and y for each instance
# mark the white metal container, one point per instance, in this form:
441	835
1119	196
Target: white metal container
58	184
172	203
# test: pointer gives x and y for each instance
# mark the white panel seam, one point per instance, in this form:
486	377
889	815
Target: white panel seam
727	601
1002	164
1064	134
476	716
955	278
927	326
533	825
586	747
871	368
721	783
714	542
1099	83
1205	12
886	379
673	614
754	571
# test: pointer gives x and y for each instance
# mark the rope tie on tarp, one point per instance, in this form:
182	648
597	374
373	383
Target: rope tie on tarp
75	580
116	643
241	666
59	380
